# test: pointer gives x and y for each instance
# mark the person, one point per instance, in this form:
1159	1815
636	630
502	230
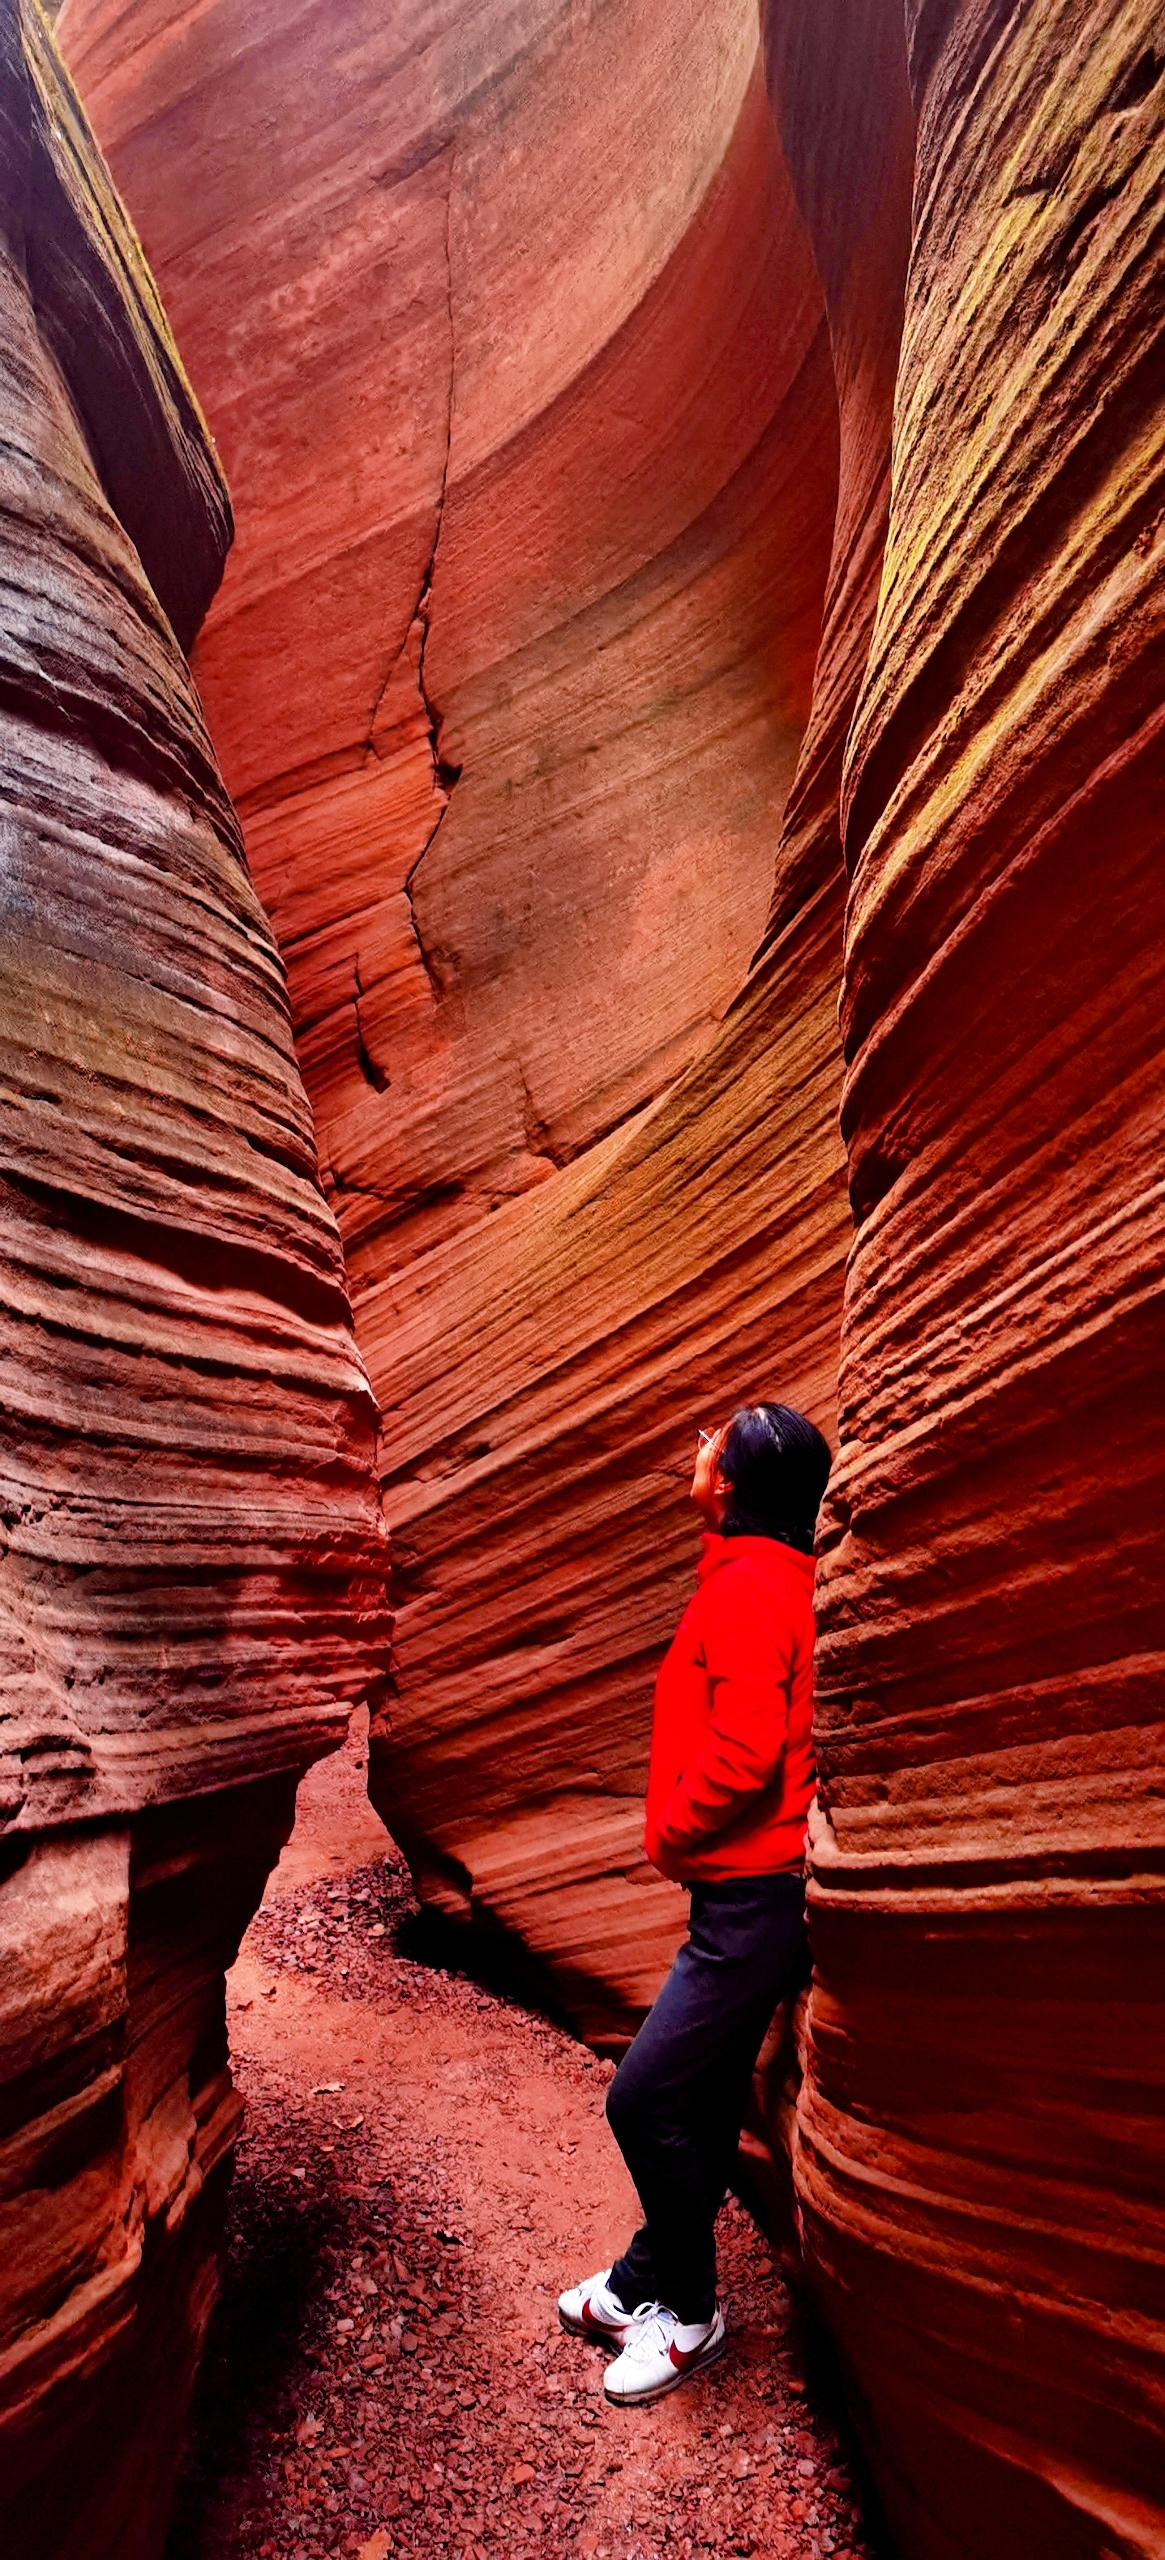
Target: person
729	1785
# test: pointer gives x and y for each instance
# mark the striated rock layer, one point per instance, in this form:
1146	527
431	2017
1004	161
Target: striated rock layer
979	2165
191	1577
513	348
841	102
518	358
548	1378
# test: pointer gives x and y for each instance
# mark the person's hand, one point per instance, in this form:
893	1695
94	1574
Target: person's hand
709	1491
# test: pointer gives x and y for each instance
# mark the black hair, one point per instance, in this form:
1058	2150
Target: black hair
775	1464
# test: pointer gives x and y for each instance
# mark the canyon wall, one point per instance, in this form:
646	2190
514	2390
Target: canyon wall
554	457
191	1568
979	2162
515	347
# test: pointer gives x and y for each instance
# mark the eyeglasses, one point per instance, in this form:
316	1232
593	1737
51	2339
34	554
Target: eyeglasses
705	1438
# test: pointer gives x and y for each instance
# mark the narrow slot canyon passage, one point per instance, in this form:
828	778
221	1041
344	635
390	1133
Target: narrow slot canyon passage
424	2165
581	780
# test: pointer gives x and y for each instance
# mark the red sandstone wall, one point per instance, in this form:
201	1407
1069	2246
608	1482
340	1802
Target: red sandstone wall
191	1571
525	391
509	337
841	103
979	2160
976	2164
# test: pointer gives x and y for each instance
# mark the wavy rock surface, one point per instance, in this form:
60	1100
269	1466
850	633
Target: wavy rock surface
514	806
979	2158
191	1577
512	347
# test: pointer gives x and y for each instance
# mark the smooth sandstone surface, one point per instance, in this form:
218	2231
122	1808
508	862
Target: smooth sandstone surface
524	387
191	1572
545	1533
512	345
979	2164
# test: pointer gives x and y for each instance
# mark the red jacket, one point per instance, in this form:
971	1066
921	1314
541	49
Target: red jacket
731	1772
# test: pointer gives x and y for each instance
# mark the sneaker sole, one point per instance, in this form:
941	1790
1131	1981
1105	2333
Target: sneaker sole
598	2337
660	2390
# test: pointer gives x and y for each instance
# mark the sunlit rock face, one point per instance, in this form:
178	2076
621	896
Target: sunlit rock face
515	348
979	2162
191	1580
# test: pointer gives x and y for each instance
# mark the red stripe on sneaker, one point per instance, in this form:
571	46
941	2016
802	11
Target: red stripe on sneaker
682	2357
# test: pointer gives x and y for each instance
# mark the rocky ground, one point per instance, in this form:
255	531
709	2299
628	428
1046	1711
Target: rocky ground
425	2165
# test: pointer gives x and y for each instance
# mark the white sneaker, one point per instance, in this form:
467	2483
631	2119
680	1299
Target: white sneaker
590	2311
660	2353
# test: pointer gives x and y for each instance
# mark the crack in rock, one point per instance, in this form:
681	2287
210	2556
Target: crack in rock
370	1068
538	1138
446	774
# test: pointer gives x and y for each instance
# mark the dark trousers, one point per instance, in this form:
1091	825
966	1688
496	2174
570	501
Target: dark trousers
677	2101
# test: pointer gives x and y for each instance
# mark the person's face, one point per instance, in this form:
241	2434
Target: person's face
709	1491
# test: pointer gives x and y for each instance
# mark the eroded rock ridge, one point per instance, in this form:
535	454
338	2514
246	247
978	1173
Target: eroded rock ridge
978	2167
191	1566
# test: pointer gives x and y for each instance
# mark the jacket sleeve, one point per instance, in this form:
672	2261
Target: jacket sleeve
748	1648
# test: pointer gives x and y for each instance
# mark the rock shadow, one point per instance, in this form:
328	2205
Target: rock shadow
270	2305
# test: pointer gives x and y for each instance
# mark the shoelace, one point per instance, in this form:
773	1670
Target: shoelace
652	2332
